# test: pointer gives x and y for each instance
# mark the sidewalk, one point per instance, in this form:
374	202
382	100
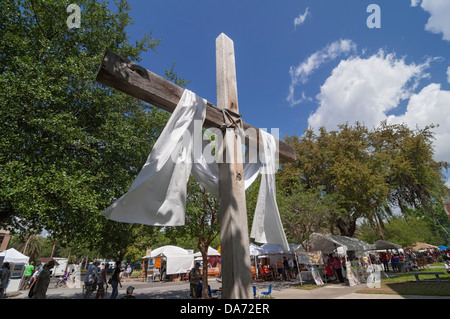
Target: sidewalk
281	290
341	292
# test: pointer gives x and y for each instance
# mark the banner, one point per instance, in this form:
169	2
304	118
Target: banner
316	276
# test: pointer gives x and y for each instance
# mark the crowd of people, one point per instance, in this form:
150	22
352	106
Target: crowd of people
36	279
410	260
97	279
284	269
334	267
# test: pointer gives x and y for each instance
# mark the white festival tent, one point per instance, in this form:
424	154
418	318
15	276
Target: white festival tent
14	257
329	243
211	253
272	249
255	250
178	260
17	261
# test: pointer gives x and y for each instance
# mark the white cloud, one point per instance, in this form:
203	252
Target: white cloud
448	74
439	21
364	90
301	18
430	106
300	73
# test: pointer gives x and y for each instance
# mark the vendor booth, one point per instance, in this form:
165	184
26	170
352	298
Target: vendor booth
268	258
353	252
422	246
17	263
168	261
255	250
213	261
329	243
385	248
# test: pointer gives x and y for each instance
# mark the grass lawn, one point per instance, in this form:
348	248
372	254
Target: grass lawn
405	284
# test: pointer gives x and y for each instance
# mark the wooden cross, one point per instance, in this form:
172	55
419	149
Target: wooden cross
138	82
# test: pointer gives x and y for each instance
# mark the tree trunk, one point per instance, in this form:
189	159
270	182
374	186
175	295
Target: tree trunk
346	227
205	292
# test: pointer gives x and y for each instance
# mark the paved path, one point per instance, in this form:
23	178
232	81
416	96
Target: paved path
338	291
180	290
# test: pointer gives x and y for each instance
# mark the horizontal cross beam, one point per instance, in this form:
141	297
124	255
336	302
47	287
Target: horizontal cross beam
134	80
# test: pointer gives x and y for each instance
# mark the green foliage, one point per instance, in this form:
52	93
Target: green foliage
305	211
202	220
371	172
69	146
401	230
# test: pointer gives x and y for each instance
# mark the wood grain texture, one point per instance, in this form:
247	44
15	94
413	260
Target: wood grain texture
134	80
235	261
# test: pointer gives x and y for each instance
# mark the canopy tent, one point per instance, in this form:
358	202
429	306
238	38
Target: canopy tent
211	253
382	244
442	247
328	243
272	249
178	260
13	256
17	262
419	246
255	250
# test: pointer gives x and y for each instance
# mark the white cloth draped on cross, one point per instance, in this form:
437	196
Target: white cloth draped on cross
158	194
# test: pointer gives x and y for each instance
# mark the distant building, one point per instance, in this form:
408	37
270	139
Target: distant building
4	239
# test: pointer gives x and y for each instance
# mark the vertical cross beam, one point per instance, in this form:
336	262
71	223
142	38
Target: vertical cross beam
236	269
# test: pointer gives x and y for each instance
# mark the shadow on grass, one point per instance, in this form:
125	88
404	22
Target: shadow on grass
405	284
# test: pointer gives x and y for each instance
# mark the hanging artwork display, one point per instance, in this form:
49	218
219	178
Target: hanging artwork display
352	278
316	276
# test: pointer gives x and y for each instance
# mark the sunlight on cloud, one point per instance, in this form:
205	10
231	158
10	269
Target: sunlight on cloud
301	73
365	90
439	21
430	106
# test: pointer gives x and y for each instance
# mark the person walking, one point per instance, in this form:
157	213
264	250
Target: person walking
194	281
337	266
42	282
90	279
394	263
115	280
101	283
128	272
385	261
27	276
291	269
5	273
285	269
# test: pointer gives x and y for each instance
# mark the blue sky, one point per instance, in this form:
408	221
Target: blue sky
312	63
